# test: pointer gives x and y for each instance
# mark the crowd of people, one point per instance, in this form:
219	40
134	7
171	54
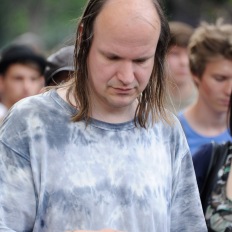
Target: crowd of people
129	129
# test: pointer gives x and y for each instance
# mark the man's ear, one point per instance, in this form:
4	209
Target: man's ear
80	31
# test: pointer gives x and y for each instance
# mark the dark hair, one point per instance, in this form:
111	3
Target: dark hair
152	98
180	33
21	54
59	63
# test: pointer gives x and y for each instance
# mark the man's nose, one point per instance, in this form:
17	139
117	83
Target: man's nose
126	72
184	59
27	85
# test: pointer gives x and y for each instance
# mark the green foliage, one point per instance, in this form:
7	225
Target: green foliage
195	11
53	20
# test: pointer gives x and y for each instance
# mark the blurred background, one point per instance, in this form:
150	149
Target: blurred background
50	24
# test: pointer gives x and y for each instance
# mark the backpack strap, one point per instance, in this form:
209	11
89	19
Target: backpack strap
218	158
211	164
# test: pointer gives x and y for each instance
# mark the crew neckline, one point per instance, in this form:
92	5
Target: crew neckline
92	122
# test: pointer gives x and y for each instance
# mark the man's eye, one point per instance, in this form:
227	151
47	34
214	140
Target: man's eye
18	78
113	57
219	78
140	61
35	78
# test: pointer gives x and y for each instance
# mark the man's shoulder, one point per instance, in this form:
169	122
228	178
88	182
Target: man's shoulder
31	118
41	108
45	102
41	98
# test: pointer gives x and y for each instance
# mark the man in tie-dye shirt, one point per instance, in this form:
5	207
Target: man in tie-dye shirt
98	153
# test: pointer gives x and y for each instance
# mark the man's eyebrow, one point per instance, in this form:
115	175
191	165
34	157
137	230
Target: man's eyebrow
110	54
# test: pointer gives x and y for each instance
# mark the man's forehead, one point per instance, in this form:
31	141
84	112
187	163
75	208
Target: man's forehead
23	68
122	3
125	12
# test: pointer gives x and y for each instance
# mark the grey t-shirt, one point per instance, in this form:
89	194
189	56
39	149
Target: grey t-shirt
3	111
57	175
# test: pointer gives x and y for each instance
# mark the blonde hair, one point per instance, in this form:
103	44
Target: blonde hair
209	42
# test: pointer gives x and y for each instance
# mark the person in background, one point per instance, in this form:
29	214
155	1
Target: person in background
60	67
31	40
98	154
182	89
21	75
212	164
210	55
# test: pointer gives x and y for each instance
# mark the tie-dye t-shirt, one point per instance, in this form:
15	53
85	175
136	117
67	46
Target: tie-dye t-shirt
57	175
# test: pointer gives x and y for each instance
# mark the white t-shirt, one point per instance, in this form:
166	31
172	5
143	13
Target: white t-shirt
57	175
3	111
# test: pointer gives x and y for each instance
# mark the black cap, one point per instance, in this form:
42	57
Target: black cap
19	54
62	60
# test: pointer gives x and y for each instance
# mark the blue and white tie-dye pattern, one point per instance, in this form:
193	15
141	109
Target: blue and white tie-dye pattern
56	175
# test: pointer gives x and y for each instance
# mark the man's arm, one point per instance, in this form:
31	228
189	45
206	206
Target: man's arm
17	196
186	209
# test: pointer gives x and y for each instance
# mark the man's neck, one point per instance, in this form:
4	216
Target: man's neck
205	120
114	116
108	115
182	91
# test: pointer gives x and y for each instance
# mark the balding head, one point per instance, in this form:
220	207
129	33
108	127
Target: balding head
126	22
130	11
125	18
